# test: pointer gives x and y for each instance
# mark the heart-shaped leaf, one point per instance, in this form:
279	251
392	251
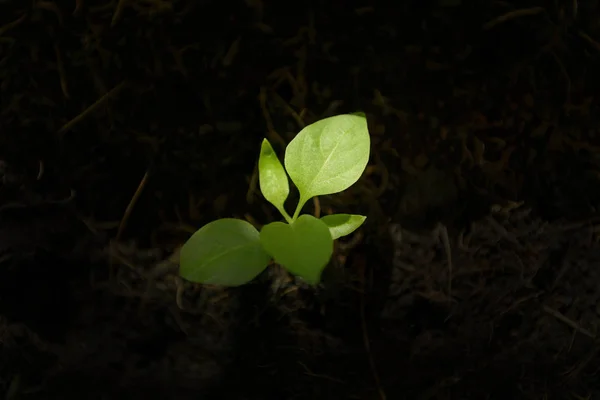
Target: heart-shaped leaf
342	224
272	178
304	247
224	252
328	156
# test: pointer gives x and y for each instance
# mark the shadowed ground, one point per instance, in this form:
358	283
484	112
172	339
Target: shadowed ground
127	125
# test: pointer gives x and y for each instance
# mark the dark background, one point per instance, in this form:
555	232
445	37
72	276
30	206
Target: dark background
126	125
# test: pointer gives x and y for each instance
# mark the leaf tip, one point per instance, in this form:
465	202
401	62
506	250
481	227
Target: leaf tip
265	147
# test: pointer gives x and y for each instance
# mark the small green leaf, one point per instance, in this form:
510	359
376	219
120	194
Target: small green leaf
342	224
304	247
328	156
223	252
273	180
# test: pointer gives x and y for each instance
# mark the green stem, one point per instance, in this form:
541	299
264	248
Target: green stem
301	203
286	215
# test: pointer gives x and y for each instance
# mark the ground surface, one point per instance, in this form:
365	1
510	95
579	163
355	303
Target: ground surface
126	125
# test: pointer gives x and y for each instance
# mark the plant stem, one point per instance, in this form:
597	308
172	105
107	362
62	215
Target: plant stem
286	215
301	203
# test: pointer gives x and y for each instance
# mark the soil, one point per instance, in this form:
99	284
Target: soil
127	125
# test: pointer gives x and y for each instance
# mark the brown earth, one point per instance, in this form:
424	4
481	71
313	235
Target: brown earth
127	125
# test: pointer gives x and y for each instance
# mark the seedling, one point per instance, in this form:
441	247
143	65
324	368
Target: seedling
326	157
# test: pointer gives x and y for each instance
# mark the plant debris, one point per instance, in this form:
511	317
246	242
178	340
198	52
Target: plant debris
127	125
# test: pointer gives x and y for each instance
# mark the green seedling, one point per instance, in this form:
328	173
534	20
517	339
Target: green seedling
326	157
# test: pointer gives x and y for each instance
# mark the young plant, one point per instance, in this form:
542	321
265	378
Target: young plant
326	157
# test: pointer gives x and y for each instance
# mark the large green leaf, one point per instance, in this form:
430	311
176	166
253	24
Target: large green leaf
329	155
224	252
272	177
304	247
342	224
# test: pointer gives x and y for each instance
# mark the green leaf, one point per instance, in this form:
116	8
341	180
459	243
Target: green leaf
304	247
272	177
342	224
328	156
224	252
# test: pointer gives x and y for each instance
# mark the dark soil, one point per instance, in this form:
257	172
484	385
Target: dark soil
127	125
